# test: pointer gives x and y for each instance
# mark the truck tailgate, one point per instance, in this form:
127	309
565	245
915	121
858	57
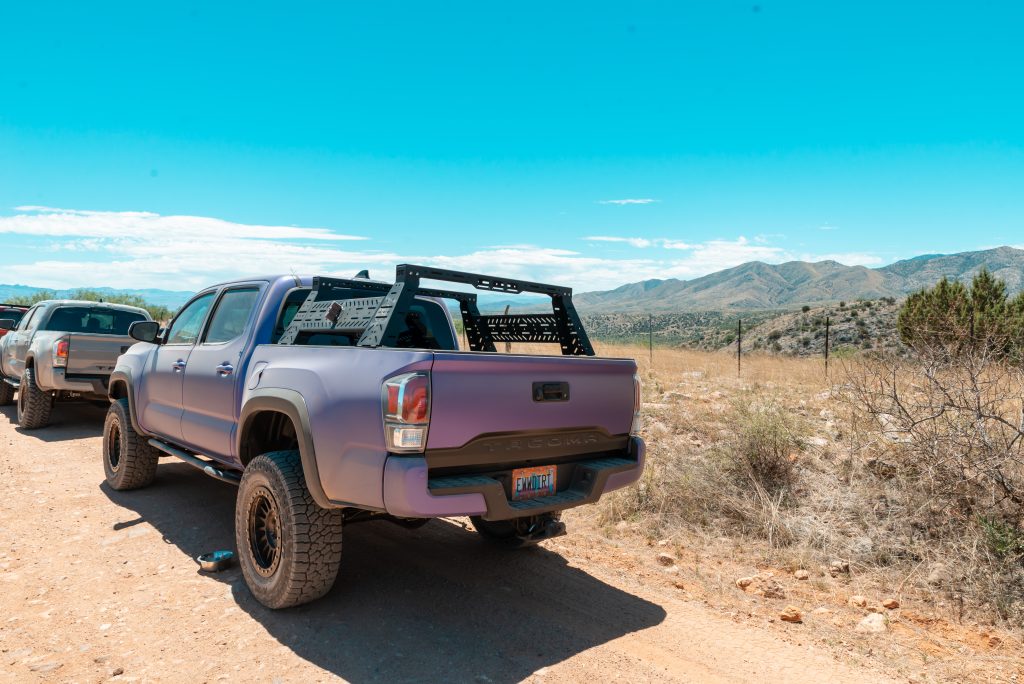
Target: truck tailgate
95	354
489	394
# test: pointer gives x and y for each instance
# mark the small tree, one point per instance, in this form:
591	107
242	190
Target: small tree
953	318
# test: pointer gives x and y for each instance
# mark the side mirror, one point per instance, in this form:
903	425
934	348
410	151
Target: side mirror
7	324
144	331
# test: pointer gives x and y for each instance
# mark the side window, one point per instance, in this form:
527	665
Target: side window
231	315
187	324
27	320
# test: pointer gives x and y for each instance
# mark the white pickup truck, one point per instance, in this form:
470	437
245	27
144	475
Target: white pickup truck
62	349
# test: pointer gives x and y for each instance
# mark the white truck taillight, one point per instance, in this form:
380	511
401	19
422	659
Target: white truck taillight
60	352
405	402
634	429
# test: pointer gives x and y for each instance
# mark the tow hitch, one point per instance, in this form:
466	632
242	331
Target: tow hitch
537	528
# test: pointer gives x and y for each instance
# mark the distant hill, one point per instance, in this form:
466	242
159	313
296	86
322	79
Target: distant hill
754	286
758	286
170	298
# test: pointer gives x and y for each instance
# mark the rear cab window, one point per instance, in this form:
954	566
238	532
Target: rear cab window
92	320
427	325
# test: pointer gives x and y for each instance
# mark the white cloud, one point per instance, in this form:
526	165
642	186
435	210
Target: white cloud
828	227
847	258
143	249
47	221
622	202
642	242
635	242
676	244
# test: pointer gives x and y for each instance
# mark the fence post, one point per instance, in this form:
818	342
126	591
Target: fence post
650	337
827	332
739	346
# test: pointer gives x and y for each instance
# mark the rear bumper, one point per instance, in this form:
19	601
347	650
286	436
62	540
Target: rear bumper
50	379
410	492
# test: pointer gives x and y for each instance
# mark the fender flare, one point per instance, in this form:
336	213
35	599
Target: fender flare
124	375
290	403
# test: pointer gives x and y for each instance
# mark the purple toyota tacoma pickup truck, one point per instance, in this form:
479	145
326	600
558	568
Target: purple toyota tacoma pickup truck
331	401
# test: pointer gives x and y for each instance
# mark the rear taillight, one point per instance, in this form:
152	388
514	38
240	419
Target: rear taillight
637	403
405	402
60	352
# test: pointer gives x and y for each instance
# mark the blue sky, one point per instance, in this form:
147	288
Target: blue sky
174	144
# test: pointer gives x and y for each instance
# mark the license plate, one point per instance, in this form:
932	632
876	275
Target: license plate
529	483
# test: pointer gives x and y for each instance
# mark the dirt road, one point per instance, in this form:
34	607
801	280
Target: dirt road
97	584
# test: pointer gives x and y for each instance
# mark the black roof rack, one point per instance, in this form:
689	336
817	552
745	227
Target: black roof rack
380	318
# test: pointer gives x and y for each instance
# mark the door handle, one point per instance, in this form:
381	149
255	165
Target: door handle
178	366
225	369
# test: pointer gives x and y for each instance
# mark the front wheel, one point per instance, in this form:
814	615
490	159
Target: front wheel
6	393
34	405
289	548
129	462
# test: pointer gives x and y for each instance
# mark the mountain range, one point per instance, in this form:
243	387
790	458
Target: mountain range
759	286
172	299
753	286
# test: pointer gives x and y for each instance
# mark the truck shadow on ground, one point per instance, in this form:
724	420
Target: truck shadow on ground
434	604
69	420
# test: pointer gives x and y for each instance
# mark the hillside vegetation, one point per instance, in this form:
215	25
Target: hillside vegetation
157	311
760	286
853	326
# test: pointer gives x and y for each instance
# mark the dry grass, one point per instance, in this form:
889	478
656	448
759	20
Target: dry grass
778	469
801	471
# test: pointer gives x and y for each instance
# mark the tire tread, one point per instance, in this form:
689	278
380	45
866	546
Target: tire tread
34	405
138	459
312	539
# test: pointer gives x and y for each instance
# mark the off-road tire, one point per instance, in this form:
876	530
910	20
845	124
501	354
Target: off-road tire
6	393
293	556
129	462
34	405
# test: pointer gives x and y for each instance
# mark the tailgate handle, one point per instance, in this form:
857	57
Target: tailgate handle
551	391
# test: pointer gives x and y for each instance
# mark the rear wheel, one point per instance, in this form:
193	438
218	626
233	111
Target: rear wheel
34	405
129	462
289	548
6	393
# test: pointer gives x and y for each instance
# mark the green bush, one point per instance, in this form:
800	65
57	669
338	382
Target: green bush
955	318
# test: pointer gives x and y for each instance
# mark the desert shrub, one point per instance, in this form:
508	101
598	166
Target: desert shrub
742	485
805	308
758	450
950	433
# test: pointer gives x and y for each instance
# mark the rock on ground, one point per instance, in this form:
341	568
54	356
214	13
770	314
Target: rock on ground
872	624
